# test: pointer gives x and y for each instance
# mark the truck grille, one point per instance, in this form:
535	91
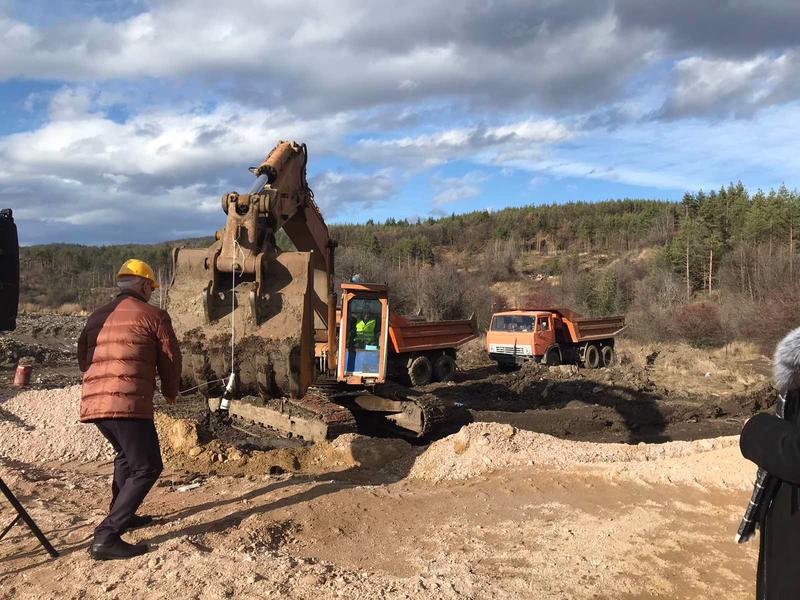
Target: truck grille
511	350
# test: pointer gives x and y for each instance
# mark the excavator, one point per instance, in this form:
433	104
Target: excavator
258	325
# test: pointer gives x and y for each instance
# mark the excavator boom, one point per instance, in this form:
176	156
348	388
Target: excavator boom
243	305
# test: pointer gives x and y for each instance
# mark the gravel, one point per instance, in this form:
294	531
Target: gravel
42	425
480	448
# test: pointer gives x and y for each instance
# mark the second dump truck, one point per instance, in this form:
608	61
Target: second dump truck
552	336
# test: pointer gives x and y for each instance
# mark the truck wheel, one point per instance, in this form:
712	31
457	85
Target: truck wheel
552	358
420	371
591	359
608	355
444	368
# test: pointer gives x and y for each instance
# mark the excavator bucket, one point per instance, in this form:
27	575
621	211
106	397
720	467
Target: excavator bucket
267	338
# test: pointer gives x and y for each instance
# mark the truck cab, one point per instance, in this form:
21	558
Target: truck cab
521	335
376	344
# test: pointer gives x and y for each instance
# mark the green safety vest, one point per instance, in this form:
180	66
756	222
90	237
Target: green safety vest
365	331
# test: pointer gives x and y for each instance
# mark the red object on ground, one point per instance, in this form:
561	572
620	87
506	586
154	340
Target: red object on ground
22	376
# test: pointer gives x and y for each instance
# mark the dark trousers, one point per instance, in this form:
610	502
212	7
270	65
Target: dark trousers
137	466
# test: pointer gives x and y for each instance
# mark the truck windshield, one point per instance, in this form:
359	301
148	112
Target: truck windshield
512	323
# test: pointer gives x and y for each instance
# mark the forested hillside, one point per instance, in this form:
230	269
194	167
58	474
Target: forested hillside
714	267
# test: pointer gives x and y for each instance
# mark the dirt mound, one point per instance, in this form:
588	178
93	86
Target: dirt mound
635	400
480	448
473	354
187	444
50	328
50	342
11	351
680	368
42	425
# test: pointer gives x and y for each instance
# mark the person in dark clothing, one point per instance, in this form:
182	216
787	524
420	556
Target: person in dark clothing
124	344
774	445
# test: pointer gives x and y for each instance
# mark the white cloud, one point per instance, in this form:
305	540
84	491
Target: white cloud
455	189
493	144
161	144
70	103
83	172
341	195
688	155
347	53
709	86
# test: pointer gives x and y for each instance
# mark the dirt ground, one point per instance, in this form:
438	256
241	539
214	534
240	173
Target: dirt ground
549	487
654	393
475	515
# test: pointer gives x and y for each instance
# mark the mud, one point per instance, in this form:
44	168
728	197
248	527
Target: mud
633	401
655	393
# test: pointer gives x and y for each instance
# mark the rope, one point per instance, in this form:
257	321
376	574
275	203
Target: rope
237	251
191	389
233	303
229	387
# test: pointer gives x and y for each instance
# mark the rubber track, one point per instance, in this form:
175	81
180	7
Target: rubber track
434	412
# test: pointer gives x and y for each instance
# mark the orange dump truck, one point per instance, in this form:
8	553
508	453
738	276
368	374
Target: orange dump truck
552	336
376	344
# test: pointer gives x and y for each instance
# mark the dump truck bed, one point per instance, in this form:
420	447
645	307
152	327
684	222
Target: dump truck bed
585	329
422	336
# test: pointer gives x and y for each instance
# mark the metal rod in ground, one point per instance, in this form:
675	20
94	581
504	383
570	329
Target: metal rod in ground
8	528
23	514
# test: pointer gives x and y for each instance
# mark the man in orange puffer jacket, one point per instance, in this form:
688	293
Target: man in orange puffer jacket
122	347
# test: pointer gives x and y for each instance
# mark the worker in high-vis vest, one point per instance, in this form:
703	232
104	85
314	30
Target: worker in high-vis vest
365	332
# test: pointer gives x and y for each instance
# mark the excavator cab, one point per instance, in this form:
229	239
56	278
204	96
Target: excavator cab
363	334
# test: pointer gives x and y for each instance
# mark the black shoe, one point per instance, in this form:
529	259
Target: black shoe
116	550
137	521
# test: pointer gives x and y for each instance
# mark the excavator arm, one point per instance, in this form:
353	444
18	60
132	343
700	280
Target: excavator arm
280	198
243	305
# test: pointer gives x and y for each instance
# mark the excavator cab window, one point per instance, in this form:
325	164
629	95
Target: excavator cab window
362	346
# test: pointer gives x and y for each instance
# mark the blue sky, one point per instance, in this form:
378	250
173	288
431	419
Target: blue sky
125	121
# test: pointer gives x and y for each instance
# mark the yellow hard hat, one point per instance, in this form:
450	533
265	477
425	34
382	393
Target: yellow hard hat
139	268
